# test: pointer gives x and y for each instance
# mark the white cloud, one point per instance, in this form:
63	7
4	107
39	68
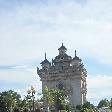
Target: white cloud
99	87
27	31
30	30
19	74
20	78
23	92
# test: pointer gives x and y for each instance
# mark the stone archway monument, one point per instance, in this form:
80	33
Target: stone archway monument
65	71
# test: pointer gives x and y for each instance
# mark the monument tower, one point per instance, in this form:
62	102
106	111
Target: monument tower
65	71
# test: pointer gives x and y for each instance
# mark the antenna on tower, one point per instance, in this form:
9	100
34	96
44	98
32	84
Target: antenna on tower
52	61
45	55
75	53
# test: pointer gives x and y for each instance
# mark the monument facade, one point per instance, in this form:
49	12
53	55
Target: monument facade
65	71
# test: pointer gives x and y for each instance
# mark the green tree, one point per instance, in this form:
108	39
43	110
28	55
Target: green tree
25	110
103	103
79	107
56	99
16	109
88	107
23	104
10	99
111	103
3	107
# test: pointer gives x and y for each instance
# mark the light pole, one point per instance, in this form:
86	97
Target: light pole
31	94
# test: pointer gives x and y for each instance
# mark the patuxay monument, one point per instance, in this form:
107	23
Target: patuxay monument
65	71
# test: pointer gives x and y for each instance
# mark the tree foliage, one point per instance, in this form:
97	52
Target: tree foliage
88	105
9	100
56	98
104	103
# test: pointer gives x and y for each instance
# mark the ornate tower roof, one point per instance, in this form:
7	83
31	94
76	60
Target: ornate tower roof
62	63
62	47
62	59
45	61
76	57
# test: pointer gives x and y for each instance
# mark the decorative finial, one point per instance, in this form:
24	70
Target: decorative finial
52	61
62	44
45	55
75	53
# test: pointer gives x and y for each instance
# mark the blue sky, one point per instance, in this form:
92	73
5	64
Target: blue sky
29	28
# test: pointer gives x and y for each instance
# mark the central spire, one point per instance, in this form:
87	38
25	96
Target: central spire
75	53
62	49
45	55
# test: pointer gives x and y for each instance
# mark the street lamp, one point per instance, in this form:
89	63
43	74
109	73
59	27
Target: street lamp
31	94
